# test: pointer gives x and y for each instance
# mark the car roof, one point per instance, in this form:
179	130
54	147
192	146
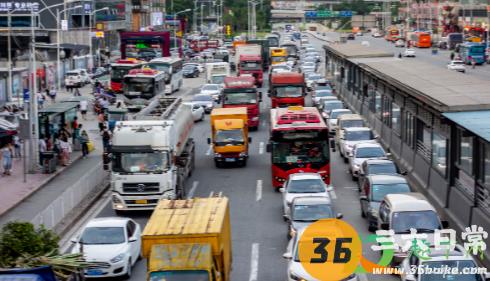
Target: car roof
304	176
354	129
351	117
378	161
108	222
312	200
386	179
407	202
366	144
341	110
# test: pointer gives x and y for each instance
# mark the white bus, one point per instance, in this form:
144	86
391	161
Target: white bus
172	67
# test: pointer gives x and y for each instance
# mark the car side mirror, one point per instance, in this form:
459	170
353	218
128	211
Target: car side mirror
385	226
249	139
74	239
209	140
445	224
268	148
404	173
287	256
132	239
286	217
282	190
340	215
388	154
350	154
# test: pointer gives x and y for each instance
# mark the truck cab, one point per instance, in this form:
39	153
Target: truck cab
229	136
216	72
286	89
241	92
252	64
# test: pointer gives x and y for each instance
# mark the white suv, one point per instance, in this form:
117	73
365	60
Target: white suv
77	78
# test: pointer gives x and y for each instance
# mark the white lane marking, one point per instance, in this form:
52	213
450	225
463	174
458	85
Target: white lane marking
209	150
258	192
65	243
333	194
254	262
362	277
261	147
193	190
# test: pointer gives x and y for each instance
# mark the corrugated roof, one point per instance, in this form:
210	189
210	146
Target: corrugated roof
357	51
444	90
476	122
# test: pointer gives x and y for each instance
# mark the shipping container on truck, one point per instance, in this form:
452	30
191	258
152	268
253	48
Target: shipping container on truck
189	240
229	136
241	92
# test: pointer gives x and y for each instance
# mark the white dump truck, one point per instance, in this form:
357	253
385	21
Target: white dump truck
151	155
216	72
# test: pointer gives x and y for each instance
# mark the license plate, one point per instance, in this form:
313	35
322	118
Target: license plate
94	272
229	159
141	201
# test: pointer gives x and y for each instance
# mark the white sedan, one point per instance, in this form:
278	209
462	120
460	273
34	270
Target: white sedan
457	65
113	242
409	53
197	111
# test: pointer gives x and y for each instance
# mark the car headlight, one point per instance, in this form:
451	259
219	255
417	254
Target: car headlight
295	277
117	258
242	154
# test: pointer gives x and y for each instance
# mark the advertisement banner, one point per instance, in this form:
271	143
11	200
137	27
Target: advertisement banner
156	18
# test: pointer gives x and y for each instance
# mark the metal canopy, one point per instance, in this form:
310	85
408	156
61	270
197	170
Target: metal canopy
473	121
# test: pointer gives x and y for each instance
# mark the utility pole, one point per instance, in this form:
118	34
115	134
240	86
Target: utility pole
202	16
9	83
194	17
33	114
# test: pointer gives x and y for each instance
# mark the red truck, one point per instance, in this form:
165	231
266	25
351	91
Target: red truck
252	64
287	88
201	45
241	92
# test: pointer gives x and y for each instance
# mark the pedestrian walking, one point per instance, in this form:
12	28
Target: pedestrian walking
106	138
65	151
101	120
399	55
452	56
40	100
77	92
84	108
43	147
76	129
17	147
7	154
64	133
84	140
52	94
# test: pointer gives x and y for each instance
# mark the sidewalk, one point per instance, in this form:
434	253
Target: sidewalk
13	189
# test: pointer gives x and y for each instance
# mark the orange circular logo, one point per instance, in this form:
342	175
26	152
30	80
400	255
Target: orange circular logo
330	250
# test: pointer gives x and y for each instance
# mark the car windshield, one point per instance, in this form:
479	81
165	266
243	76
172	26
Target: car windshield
308	64
300	152
380	190
180	275
328	106
278	59
289	91
154	162
229	137
240	98
314	77
352	123
165	67
458	62
103	235
306	186
423	221
323	87
210	88
189	68
358	135
321	94
385	168
312	212
139	85
336	114
202	98
72	74
218	79
370	152
250	65
457	266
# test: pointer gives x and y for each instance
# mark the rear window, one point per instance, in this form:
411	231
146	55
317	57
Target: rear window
72	74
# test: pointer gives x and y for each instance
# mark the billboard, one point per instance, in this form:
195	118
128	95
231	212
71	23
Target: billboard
116	12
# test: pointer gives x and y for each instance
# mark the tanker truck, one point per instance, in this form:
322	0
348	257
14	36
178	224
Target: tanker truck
151	155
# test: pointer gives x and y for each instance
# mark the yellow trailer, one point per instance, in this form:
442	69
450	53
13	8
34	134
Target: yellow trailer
229	135
189	240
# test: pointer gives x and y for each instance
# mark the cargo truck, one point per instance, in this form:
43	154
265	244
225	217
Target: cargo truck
252	65
247	49
286	89
151	156
229	136
189	240
216	72
264	44
241	92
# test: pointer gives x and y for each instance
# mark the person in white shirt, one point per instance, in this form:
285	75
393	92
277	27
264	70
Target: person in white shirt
84	108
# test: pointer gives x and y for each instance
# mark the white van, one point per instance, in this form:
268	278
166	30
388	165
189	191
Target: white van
77	78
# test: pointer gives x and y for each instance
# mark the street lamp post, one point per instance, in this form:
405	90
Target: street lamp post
58	51
91	64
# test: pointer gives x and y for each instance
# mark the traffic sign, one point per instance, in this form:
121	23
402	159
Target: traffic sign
64	25
228	29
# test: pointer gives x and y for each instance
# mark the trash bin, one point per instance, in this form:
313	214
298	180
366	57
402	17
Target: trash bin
49	162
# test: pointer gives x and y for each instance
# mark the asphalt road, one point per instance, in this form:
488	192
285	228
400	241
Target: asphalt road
256	210
441	59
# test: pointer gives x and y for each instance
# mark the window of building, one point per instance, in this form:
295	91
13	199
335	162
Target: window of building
465	153
409	129
424	139
386	109
439	153
377	104
485	173
396	124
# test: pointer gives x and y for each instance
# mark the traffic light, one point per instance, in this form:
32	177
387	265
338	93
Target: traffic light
228	29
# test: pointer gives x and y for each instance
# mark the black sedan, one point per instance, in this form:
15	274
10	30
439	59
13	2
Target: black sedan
190	71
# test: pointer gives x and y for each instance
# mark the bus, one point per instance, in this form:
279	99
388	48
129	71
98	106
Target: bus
453	39
421	40
119	69
172	67
392	35
278	55
298	143
469	51
142	84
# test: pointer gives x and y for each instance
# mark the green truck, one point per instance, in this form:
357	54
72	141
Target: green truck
264	43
